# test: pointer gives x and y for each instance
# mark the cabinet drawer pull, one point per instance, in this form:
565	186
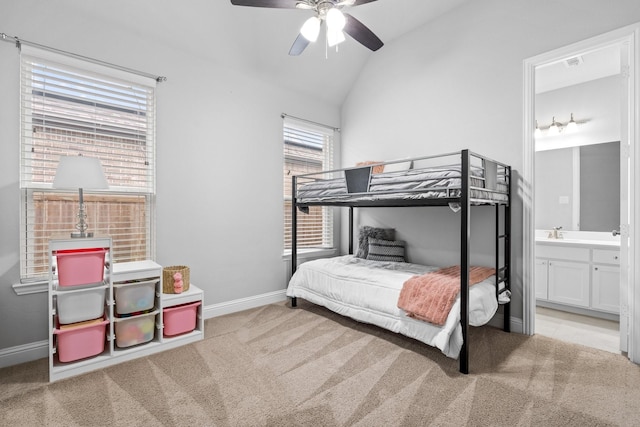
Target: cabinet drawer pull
596	268
615	257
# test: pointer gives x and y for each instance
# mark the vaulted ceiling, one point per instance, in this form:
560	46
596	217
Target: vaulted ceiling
258	39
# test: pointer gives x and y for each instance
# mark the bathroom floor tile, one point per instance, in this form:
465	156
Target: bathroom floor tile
588	331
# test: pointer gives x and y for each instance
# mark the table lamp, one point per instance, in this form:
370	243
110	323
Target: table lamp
82	173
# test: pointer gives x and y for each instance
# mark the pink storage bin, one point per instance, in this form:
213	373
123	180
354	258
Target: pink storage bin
82	341
180	319
80	266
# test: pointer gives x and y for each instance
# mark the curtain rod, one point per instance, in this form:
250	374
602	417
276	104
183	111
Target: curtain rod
19	42
283	115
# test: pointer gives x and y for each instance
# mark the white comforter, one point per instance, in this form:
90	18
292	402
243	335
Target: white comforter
368	291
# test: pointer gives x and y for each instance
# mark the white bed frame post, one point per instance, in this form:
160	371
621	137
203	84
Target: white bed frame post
294	233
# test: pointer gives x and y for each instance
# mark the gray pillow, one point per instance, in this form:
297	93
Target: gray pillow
376	233
386	250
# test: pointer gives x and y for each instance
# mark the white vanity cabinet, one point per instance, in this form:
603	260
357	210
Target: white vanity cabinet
565	271
569	282
577	275
605	280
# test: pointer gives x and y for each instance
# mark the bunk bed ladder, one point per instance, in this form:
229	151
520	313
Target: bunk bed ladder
502	272
506	273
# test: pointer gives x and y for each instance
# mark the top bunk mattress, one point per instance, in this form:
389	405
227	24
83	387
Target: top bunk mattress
368	291
434	183
419	179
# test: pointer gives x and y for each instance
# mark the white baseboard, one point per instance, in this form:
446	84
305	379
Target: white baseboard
242	304
24	353
498	322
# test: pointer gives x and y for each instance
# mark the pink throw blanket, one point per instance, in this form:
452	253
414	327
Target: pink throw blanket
430	297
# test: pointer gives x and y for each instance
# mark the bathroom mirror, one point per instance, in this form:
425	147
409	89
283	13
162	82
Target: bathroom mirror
578	188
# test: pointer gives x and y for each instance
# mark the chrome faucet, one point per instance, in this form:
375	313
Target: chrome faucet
556	233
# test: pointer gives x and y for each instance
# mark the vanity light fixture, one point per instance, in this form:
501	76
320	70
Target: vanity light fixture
556	127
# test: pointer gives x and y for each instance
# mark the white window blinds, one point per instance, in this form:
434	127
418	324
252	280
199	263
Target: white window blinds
307	148
72	107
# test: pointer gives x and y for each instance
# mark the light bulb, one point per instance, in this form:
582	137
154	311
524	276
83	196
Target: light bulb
537	133
311	28
334	37
335	20
572	126
553	129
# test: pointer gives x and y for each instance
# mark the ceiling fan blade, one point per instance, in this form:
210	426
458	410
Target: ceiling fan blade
354	2
283	4
361	33
359	2
299	45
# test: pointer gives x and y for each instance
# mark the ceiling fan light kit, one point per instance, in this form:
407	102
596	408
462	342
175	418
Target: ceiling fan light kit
311	29
328	11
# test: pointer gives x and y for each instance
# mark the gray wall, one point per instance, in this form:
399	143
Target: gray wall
597	102
455	83
219	135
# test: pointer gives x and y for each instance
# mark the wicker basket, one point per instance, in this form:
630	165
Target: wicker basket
168	282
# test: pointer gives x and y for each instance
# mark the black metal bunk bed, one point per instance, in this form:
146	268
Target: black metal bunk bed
487	184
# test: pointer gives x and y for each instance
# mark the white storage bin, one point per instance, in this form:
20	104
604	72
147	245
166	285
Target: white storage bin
79	305
135	330
132	297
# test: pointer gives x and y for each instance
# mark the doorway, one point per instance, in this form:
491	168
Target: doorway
625	39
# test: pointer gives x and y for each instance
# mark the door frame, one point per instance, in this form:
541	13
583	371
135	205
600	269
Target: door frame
630	36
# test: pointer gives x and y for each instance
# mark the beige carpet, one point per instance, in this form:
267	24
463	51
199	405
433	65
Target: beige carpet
277	366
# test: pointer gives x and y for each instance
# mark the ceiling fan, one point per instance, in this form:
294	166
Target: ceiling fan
328	12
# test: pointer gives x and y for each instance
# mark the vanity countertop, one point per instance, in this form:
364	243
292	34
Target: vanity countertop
613	244
579	238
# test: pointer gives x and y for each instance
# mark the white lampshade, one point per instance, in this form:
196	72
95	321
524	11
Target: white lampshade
335	20
311	28
76	172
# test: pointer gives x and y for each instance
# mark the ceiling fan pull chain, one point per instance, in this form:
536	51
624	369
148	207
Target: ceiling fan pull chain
326	45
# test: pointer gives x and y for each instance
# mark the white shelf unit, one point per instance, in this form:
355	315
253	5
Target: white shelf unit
137	271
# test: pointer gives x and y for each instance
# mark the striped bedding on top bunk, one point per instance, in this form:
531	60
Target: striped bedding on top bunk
428	183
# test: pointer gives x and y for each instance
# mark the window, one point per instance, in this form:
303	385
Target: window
307	148
73	107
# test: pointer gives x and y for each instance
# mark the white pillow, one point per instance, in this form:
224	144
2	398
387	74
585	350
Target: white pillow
397	167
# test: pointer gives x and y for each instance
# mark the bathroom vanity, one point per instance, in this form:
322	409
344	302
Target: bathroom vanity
578	272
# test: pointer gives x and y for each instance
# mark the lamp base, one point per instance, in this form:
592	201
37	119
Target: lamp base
80	234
